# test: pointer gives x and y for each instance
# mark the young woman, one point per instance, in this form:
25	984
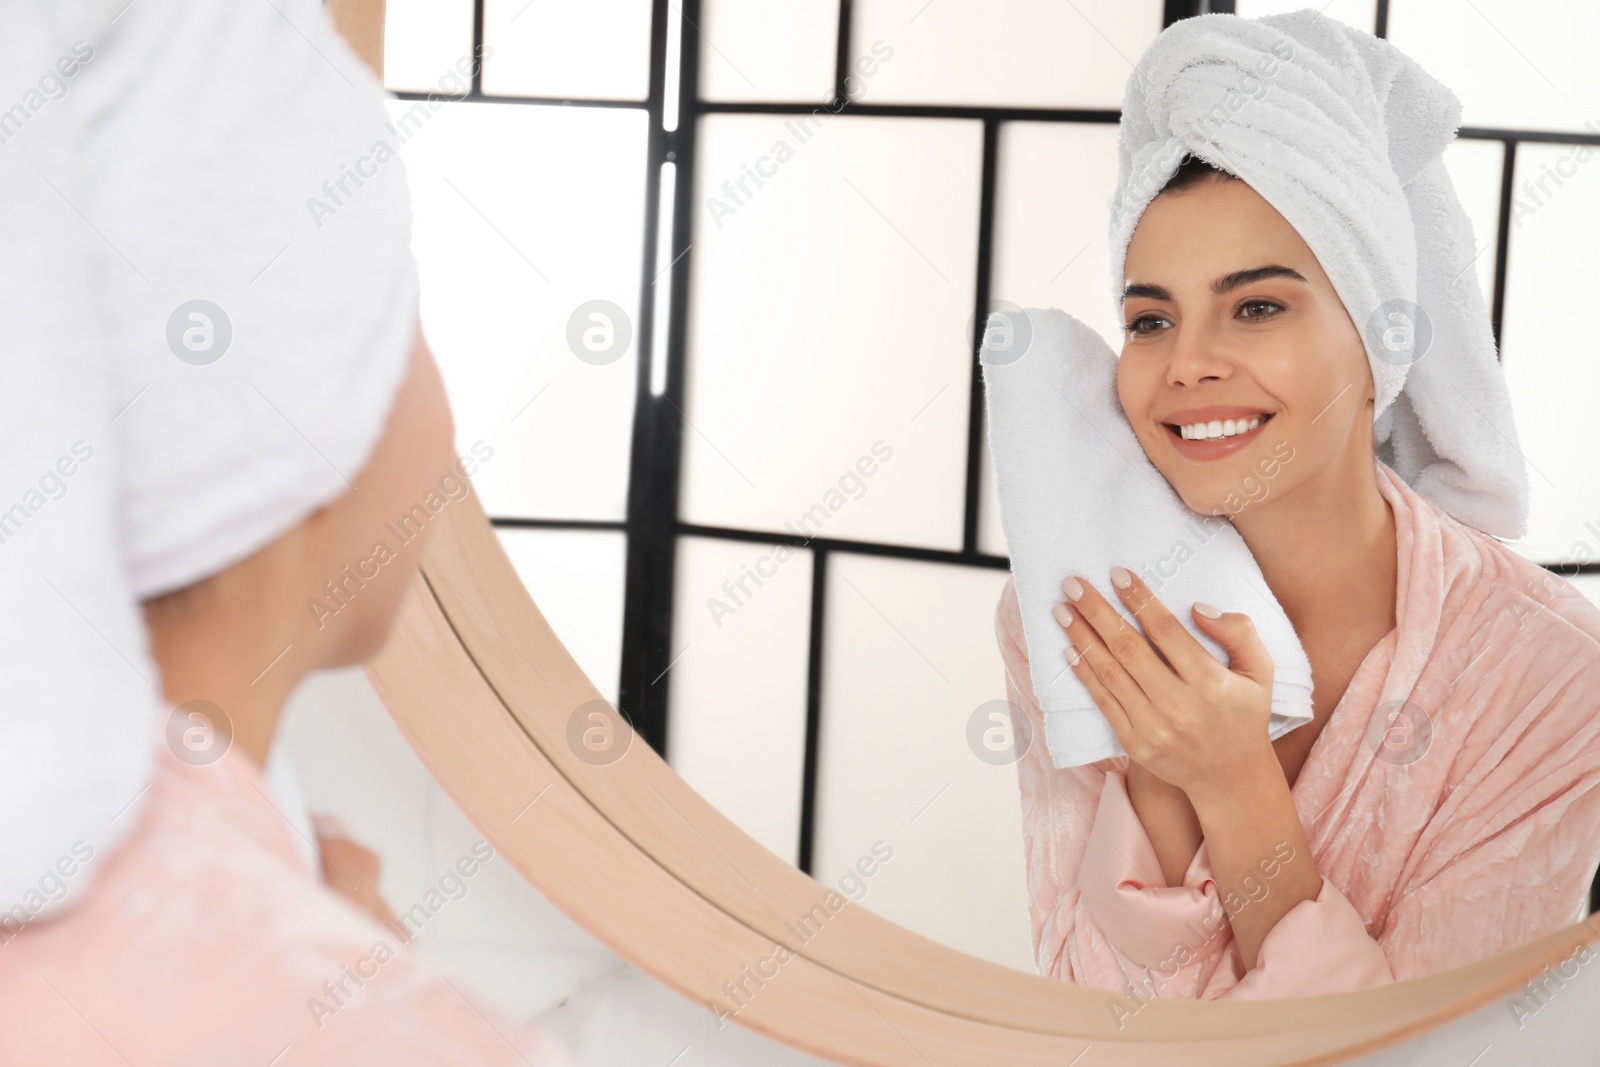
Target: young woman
1443	804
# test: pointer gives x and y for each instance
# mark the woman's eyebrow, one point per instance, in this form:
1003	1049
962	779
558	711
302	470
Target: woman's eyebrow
1224	284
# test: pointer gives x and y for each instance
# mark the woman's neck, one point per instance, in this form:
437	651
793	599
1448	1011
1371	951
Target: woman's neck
229	640
1328	552
240	676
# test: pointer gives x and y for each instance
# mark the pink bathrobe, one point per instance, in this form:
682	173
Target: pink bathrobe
206	940
1486	840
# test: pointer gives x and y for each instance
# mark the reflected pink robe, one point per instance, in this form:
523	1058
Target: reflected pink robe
1488	841
203	938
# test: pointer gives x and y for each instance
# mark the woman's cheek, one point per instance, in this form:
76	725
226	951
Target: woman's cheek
1136	397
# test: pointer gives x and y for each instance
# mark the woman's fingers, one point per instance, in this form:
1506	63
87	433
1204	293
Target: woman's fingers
1116	714
1247	653
1130	667
1186	655
1235	631
1084	655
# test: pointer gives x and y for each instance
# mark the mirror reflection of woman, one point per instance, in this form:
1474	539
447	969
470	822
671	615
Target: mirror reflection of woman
1443	803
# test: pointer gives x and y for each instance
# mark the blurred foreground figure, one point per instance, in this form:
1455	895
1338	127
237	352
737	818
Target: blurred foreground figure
216	402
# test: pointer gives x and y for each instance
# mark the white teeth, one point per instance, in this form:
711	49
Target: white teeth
1217	428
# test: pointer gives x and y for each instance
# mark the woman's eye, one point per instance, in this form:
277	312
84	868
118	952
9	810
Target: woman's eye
1134	326
1259	303
1145	325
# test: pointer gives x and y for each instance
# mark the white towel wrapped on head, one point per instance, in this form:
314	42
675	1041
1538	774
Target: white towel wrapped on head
1078	495
1344	134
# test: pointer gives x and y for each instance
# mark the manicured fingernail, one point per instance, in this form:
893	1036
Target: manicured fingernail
1073	588
1207	610
1120	577
1063	614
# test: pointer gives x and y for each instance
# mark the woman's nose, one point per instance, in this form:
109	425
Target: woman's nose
1195	357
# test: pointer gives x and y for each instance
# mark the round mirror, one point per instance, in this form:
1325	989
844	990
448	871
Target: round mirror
722	596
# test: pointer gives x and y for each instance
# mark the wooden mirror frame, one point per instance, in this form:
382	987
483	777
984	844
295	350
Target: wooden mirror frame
485	692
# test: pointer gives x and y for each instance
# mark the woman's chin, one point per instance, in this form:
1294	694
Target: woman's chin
1206	504
1222	501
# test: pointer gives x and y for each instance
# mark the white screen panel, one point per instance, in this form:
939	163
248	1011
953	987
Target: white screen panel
828	377
1551	359
909	658
423	40
1006	53
594	50
576	577
511	250
741	626
757	50
1512	64
1050	246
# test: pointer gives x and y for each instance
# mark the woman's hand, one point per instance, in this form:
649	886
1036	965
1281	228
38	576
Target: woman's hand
348	868
1202	727
1188	720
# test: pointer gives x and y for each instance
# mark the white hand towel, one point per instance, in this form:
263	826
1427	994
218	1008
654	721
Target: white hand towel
1078	495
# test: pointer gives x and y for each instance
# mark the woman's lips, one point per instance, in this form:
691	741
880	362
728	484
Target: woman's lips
1214	449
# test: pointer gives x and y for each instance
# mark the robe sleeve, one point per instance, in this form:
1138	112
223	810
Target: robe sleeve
1095	884
1058	810
1317	947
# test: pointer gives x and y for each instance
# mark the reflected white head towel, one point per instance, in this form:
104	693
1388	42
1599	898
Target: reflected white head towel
1078	495
1343	134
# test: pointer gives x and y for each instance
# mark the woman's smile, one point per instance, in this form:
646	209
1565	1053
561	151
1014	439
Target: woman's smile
1211	433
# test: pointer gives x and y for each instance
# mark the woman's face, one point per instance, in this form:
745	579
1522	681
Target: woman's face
1228	315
